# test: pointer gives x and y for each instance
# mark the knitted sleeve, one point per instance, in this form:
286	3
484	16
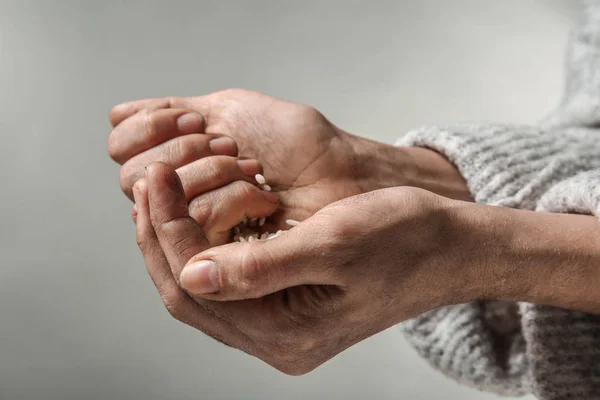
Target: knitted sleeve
503	347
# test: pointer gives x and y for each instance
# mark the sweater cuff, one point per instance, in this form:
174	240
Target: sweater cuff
510	165
579	194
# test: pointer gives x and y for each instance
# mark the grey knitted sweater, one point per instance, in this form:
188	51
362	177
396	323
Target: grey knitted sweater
515	349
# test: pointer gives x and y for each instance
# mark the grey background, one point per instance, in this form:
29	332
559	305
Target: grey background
79	318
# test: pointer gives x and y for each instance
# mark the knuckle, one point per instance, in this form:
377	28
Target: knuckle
179	242
141	241
245	190
200	209
215	169
113	148
183	149
182	245
148	121
126	179
250	271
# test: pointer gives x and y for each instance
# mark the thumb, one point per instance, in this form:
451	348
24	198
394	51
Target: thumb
240	271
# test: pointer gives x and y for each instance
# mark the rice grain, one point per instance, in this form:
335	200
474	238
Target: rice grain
260	179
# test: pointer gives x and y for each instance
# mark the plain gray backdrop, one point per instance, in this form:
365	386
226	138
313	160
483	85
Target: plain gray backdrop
79	317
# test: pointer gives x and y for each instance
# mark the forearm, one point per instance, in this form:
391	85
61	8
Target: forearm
542	258
537	257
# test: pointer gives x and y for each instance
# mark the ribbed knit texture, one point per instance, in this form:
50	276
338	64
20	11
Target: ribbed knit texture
509	348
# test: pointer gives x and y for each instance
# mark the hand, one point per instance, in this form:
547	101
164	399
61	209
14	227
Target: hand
306	159
353	269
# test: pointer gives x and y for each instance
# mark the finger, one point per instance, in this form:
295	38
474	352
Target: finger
211	173
251	270
176	153
180	237
147	129
122	111
219	211
179	304
147	241
206	174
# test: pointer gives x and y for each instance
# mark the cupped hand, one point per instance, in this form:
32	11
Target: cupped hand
349	271
307	160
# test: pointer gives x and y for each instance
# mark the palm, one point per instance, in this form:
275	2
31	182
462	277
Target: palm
305	157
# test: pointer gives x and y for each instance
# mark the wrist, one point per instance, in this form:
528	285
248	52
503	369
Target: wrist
381	165
479	254
489	253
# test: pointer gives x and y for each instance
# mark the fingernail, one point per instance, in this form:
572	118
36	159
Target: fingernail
249	167
270	196
222	146
190	123
200	277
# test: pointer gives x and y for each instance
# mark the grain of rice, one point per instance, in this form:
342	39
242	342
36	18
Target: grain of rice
264	236
236	230
266	188
242	239
261	221
251	239
252	223
292	222
260	179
